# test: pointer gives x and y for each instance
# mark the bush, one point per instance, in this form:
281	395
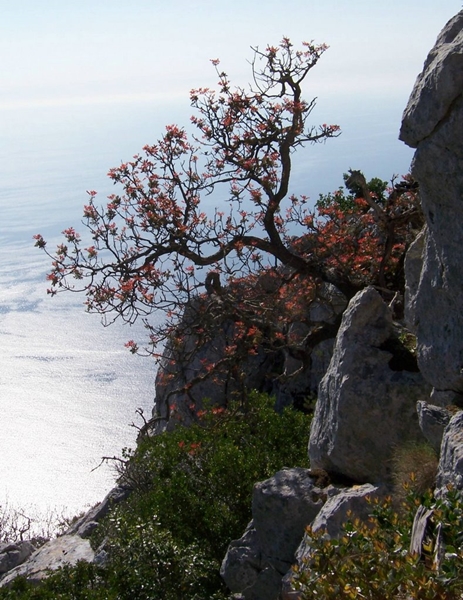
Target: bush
372	560
198	480
192	496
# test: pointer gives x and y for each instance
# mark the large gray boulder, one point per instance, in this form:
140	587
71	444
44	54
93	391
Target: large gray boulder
351	503
66	550
89	521
433	123
282	507
367	398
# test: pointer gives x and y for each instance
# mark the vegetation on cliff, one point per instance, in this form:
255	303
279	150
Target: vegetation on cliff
192	495
262	254
257	261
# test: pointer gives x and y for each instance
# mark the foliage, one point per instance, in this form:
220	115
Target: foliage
344	198
151	243
192	496
200	478
263	254
372	560
364	234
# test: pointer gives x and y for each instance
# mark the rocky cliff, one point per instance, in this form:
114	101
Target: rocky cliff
372	398
370	403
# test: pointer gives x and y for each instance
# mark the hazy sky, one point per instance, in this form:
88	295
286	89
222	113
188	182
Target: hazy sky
64	51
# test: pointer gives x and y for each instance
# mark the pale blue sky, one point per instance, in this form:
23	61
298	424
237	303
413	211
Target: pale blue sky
59	51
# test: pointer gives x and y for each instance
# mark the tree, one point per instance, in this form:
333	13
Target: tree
261	254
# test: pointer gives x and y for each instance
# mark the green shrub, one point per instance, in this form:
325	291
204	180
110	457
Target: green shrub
198	480
372	560
192	496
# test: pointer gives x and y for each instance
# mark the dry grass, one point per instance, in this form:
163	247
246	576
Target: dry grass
414	470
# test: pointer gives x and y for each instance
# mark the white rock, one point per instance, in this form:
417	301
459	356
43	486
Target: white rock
65	550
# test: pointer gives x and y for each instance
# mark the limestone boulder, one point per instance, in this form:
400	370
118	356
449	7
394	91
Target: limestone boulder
351	503
437	86
347	504
88	522
282	507
433	124
367	398
65	550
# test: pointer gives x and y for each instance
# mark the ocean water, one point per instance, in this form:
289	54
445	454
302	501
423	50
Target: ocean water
68	387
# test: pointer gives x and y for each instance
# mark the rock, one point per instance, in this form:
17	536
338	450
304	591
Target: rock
14	554
282	507
433	123
65	550
450	470
446	398
433	420
187	365
330	303
242	563
366	404
413	266
437	87
321	356
350	503
287	376
86	524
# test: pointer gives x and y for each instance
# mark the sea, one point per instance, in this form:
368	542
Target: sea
69	389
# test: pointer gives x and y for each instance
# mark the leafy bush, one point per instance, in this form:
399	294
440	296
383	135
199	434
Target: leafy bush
372	560
198	480
192	496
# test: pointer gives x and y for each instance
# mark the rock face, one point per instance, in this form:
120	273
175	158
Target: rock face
350	503
66	550
366	405
433	420
86	524
182	367
433	124
450	471
12	555
282	507
413	265
185	365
